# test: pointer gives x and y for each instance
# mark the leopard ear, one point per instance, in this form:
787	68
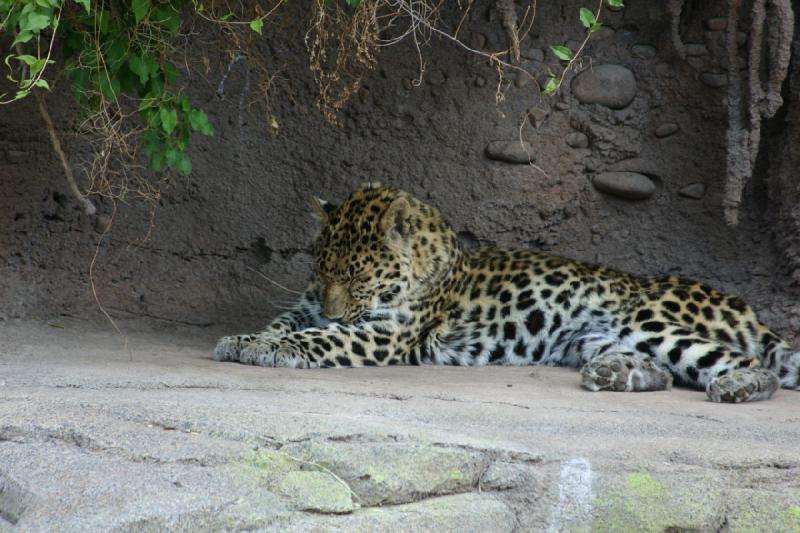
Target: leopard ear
322	209
395	222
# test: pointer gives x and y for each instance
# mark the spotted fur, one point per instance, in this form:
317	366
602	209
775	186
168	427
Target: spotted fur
392	286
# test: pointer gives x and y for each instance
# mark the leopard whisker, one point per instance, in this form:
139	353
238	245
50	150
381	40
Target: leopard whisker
299	293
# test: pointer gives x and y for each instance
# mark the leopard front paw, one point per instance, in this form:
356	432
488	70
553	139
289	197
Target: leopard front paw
274	353
229	348
623	372
743	385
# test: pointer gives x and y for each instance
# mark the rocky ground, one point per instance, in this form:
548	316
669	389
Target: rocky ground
100	431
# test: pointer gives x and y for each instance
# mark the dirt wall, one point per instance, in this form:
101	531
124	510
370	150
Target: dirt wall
243	211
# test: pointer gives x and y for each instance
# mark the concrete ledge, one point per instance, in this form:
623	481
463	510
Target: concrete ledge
97	435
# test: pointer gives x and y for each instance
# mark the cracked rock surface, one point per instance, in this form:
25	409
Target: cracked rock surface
145	432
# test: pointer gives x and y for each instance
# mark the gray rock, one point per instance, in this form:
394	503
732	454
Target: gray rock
516	151
460	513
613	86
437	77
667	129
477	41
694	190
480	81
717	23
102	223
533	53
643	51
562	106
664	70
502	476
316	491
394	473
697	62
628	185
741	38
713	79
537	116
696	49
604	33
577	139
16	156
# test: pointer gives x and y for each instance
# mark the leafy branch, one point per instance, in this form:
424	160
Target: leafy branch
590	21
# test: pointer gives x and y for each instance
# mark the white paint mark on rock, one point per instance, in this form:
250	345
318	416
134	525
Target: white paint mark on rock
574	509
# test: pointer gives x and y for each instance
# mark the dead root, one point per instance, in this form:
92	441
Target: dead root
508	18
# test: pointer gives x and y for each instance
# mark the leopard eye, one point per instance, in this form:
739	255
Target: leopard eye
388	296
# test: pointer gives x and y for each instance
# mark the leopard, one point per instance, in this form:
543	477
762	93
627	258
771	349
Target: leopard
392	285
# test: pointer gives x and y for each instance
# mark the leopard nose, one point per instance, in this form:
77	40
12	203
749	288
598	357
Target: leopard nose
334	301
332	314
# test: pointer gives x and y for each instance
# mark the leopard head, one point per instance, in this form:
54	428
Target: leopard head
381	247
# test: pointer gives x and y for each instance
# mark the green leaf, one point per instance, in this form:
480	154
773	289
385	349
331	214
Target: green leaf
139	67
169	119
353	3
170	72
550	87
198	120
22	37
37	66
140	9
27	9
27	59
151	143
562	52
169	17
171	156
109	87
21	94
42	84
596	26
183	166
615	3
587	17
86	5
102	21
80	80
35	22
157	160
256	25
116	51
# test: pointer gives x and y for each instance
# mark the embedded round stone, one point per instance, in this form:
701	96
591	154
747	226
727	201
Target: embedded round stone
604	32
577	139
532	53
628	185
714	79
667	129
694	191
510	152
644	51
613	86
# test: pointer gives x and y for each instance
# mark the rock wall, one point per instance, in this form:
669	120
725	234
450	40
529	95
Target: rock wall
628	169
